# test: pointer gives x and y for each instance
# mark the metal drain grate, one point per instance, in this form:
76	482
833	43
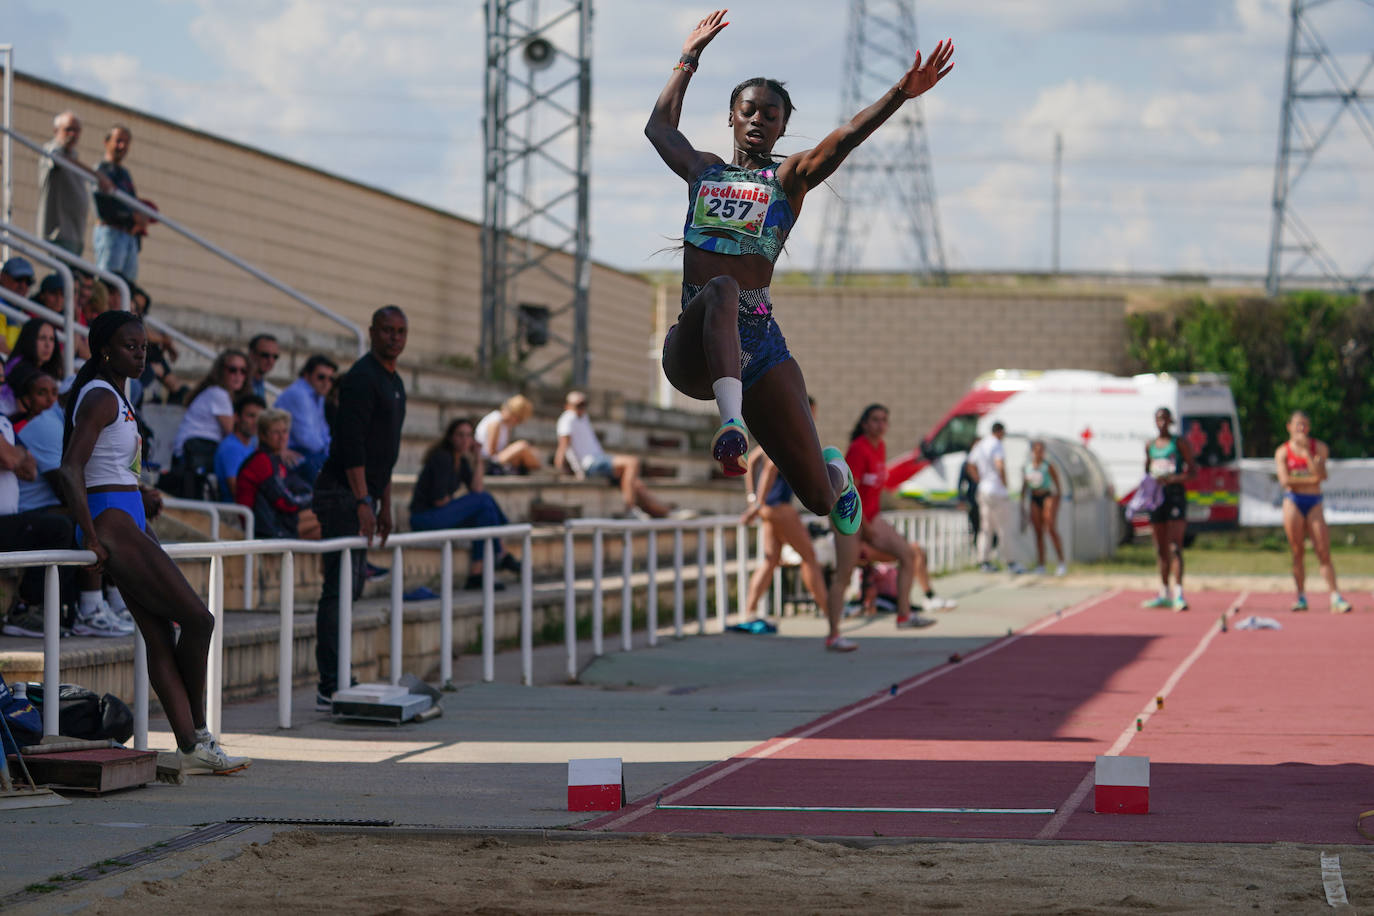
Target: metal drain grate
313	821
113	866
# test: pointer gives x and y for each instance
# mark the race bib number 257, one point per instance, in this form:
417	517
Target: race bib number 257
734	206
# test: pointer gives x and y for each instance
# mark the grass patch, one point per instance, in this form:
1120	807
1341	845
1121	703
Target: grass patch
41	888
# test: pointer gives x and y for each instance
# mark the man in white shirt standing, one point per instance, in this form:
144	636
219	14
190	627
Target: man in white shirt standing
581	449
987	462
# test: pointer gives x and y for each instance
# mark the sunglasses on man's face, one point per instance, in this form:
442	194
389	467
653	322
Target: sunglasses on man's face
271	356
324	378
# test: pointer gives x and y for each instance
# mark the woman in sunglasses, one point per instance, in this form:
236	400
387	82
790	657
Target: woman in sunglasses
208	420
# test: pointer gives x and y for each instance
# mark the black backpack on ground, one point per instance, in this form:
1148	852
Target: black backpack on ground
84	714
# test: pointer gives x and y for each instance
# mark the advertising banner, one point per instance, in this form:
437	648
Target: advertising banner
1348	493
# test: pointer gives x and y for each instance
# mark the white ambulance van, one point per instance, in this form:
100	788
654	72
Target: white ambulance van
1111	415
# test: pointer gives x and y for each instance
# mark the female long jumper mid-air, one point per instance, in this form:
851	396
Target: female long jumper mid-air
726	346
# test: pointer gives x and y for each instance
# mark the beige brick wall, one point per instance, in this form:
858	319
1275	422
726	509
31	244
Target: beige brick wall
315	232
917	350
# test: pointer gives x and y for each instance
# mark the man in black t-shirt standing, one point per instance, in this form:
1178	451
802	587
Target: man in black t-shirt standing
353	490
116	240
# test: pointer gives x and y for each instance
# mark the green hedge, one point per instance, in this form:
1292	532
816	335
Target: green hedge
1306	351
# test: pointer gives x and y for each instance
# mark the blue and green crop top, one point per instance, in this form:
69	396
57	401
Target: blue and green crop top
734	210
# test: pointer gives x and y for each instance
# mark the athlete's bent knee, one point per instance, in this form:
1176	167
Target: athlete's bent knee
724	290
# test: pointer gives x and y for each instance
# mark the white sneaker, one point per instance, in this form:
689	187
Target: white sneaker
936	603
209	759
1061	570
100	622
125	618
1038	571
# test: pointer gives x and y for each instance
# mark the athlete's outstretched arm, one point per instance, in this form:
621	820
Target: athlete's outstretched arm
662	130
816	165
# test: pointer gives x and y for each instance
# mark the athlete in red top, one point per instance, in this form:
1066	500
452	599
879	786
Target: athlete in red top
1300	464
867	459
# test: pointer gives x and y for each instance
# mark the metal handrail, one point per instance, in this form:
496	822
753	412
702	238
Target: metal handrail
214	510
22	308
216	553
32	242
136	204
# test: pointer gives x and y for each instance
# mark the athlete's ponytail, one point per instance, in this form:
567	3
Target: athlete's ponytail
102	331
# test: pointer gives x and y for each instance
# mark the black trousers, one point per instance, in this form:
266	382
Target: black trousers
37	529
337	511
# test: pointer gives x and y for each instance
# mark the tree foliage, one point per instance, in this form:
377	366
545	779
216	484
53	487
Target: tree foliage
1306	351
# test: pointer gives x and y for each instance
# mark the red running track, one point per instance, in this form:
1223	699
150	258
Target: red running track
1260	738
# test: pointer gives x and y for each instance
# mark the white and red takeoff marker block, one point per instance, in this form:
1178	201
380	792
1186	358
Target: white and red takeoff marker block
1122	785
595	784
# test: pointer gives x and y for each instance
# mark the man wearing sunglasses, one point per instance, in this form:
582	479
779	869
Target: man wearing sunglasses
263	352
304	400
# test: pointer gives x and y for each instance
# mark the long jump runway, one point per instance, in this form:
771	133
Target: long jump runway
1262	737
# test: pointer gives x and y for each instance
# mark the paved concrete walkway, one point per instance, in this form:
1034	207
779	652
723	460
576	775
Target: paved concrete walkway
498	755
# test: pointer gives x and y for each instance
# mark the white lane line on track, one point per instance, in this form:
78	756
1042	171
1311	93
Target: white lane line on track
1066	810
750	756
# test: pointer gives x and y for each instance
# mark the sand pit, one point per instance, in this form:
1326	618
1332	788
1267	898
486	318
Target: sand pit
304	872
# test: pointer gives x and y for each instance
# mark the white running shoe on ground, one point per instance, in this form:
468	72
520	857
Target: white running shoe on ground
936	603
915	622
839	644
100	622
1061	570
210	759
1038	571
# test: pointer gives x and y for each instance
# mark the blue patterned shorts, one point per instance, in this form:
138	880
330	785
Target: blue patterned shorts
761	343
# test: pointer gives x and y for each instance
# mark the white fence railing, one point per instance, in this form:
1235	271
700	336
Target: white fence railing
944	534
215	510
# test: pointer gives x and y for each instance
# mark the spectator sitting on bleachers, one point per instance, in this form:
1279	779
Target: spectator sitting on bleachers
241	442
207	421
581	449
494	432
50	293
279	499
263	353
162	352
452	463
36	346
38	427
94	303
34	530
303	399
16	276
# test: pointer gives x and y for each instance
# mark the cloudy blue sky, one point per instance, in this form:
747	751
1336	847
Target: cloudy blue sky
1168	109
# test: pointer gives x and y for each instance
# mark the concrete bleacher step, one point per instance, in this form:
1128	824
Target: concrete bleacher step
672	443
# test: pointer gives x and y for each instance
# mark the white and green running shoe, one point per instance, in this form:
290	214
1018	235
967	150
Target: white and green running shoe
848	511
1158	601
